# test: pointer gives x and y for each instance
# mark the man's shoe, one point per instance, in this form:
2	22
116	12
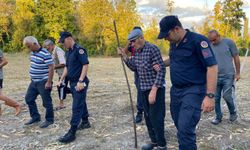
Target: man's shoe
149	146
31	121
233	117
45	124
138	118
84	125
161	148
68	137
216	121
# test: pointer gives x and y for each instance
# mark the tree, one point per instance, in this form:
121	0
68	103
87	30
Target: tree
7	7
170	7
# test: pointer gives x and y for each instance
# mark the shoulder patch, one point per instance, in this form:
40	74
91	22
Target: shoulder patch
81	51
206	53
204	44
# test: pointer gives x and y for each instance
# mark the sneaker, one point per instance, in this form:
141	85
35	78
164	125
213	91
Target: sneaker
216	121
138	118
68	137
84	125
233	117
45	124
149	146
161	148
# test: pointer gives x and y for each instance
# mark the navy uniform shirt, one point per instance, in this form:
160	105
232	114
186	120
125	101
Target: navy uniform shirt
75	59
190	59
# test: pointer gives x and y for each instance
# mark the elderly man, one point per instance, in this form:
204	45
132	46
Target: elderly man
226	52
58	56
152	86
41	73
193	72
76	69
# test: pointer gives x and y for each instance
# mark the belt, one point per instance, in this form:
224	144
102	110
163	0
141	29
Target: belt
183	86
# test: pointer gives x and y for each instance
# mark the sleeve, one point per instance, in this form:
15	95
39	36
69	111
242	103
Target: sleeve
130	62
233	48
82	56
1	54
48	58
157	59
205	52
61	56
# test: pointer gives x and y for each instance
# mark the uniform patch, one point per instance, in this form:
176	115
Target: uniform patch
81	51
204	44
206	53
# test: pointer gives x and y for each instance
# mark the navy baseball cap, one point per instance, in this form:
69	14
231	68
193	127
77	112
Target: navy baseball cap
166	24
134	34
63	36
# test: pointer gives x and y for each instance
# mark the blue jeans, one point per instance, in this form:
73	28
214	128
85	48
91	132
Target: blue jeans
225	88
185	108
35	89
154	115
79	105
139	93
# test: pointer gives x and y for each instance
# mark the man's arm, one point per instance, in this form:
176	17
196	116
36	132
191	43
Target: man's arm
128	61
3	62
48	84
237	66
65	72
59	66
167	62
208	103
80	84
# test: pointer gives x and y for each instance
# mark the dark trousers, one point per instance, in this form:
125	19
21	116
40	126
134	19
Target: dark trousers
154	115
35	89
79	105
139	93
185	108
63	89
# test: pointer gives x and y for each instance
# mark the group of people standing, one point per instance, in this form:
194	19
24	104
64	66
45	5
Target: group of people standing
201	71
43	62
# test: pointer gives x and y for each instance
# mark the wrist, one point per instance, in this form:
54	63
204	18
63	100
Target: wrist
210	95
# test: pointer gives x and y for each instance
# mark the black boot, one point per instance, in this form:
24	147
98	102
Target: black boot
70	136
84	125
138	118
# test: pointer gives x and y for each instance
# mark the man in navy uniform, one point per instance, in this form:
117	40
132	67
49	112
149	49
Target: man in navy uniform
76	70
152	86
193	72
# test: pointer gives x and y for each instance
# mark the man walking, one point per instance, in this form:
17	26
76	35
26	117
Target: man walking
41	73
226	53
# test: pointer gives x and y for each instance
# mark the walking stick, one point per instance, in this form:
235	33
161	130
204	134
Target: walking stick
130	95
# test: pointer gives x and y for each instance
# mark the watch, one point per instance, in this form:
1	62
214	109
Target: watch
80	81
210	95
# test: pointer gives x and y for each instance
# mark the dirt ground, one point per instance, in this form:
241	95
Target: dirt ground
110	114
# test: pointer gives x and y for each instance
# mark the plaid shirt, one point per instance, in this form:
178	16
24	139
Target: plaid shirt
143	63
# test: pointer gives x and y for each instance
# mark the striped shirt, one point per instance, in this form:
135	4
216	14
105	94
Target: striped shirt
39	65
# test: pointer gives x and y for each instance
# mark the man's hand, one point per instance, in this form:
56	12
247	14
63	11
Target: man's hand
48	85
59	83
120	51
79	86
207	104
152	95
157	67
237	77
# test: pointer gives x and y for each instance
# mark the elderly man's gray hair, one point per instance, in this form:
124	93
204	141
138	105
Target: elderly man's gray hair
30	39
48	42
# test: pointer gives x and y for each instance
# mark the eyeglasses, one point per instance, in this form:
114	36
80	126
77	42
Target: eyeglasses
133	41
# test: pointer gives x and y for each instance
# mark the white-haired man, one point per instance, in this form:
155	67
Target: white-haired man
41	73
58	56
